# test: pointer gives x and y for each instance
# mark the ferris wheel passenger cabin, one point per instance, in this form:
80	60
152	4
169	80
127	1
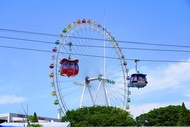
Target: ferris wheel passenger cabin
69	67
138	80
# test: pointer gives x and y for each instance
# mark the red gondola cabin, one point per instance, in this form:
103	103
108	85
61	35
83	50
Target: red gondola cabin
69	67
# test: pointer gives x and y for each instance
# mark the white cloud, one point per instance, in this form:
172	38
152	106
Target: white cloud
11	99
187	93
173	75
145	108
137	110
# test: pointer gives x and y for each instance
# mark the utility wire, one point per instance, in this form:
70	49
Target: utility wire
11	47
121	41
88	55
28	32
149	49
22	39
132	48
113	32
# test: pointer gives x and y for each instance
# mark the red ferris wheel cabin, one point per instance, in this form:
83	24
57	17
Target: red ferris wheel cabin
69	67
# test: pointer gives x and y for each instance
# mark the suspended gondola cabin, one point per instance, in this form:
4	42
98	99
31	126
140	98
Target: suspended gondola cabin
138	80
69	67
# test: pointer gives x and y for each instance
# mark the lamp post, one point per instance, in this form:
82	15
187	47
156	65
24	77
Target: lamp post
137	120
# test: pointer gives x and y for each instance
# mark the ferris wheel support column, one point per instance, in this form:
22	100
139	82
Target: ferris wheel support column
82	95
106	95
91	96
87	82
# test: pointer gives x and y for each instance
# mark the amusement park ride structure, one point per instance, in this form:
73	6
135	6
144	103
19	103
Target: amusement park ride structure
88	68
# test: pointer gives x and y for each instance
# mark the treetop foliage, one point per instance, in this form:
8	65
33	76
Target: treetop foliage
33	119
99	116
111	116
184	116
166	116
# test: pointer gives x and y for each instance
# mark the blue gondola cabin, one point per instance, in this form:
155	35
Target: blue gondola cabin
138	80
69	67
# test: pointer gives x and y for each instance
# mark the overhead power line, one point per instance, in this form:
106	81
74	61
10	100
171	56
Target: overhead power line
127	48
148	49
23	39
88	55
11	47
46	42
121	41
26	32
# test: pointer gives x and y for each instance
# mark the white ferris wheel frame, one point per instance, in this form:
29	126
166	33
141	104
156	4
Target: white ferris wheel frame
107	37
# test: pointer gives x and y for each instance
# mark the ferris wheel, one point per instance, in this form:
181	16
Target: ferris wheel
88	68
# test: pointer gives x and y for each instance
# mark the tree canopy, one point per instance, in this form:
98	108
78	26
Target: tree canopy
166	116
184	116
33	119
111	116
99	116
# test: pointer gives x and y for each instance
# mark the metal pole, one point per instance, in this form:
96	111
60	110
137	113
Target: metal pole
136	60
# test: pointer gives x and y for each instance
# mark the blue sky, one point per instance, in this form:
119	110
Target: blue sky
24	74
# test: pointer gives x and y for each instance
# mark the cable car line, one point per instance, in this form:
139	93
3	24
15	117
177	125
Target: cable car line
145	60
113	32
23	39
131	42
10	47
165	61
145	49
156	44
150	49
27	32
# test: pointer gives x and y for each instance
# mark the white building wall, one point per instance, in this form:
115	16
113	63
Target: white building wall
13	117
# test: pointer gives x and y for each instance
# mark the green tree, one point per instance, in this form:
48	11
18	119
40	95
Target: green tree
164	116
33	118
99	116
184	116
